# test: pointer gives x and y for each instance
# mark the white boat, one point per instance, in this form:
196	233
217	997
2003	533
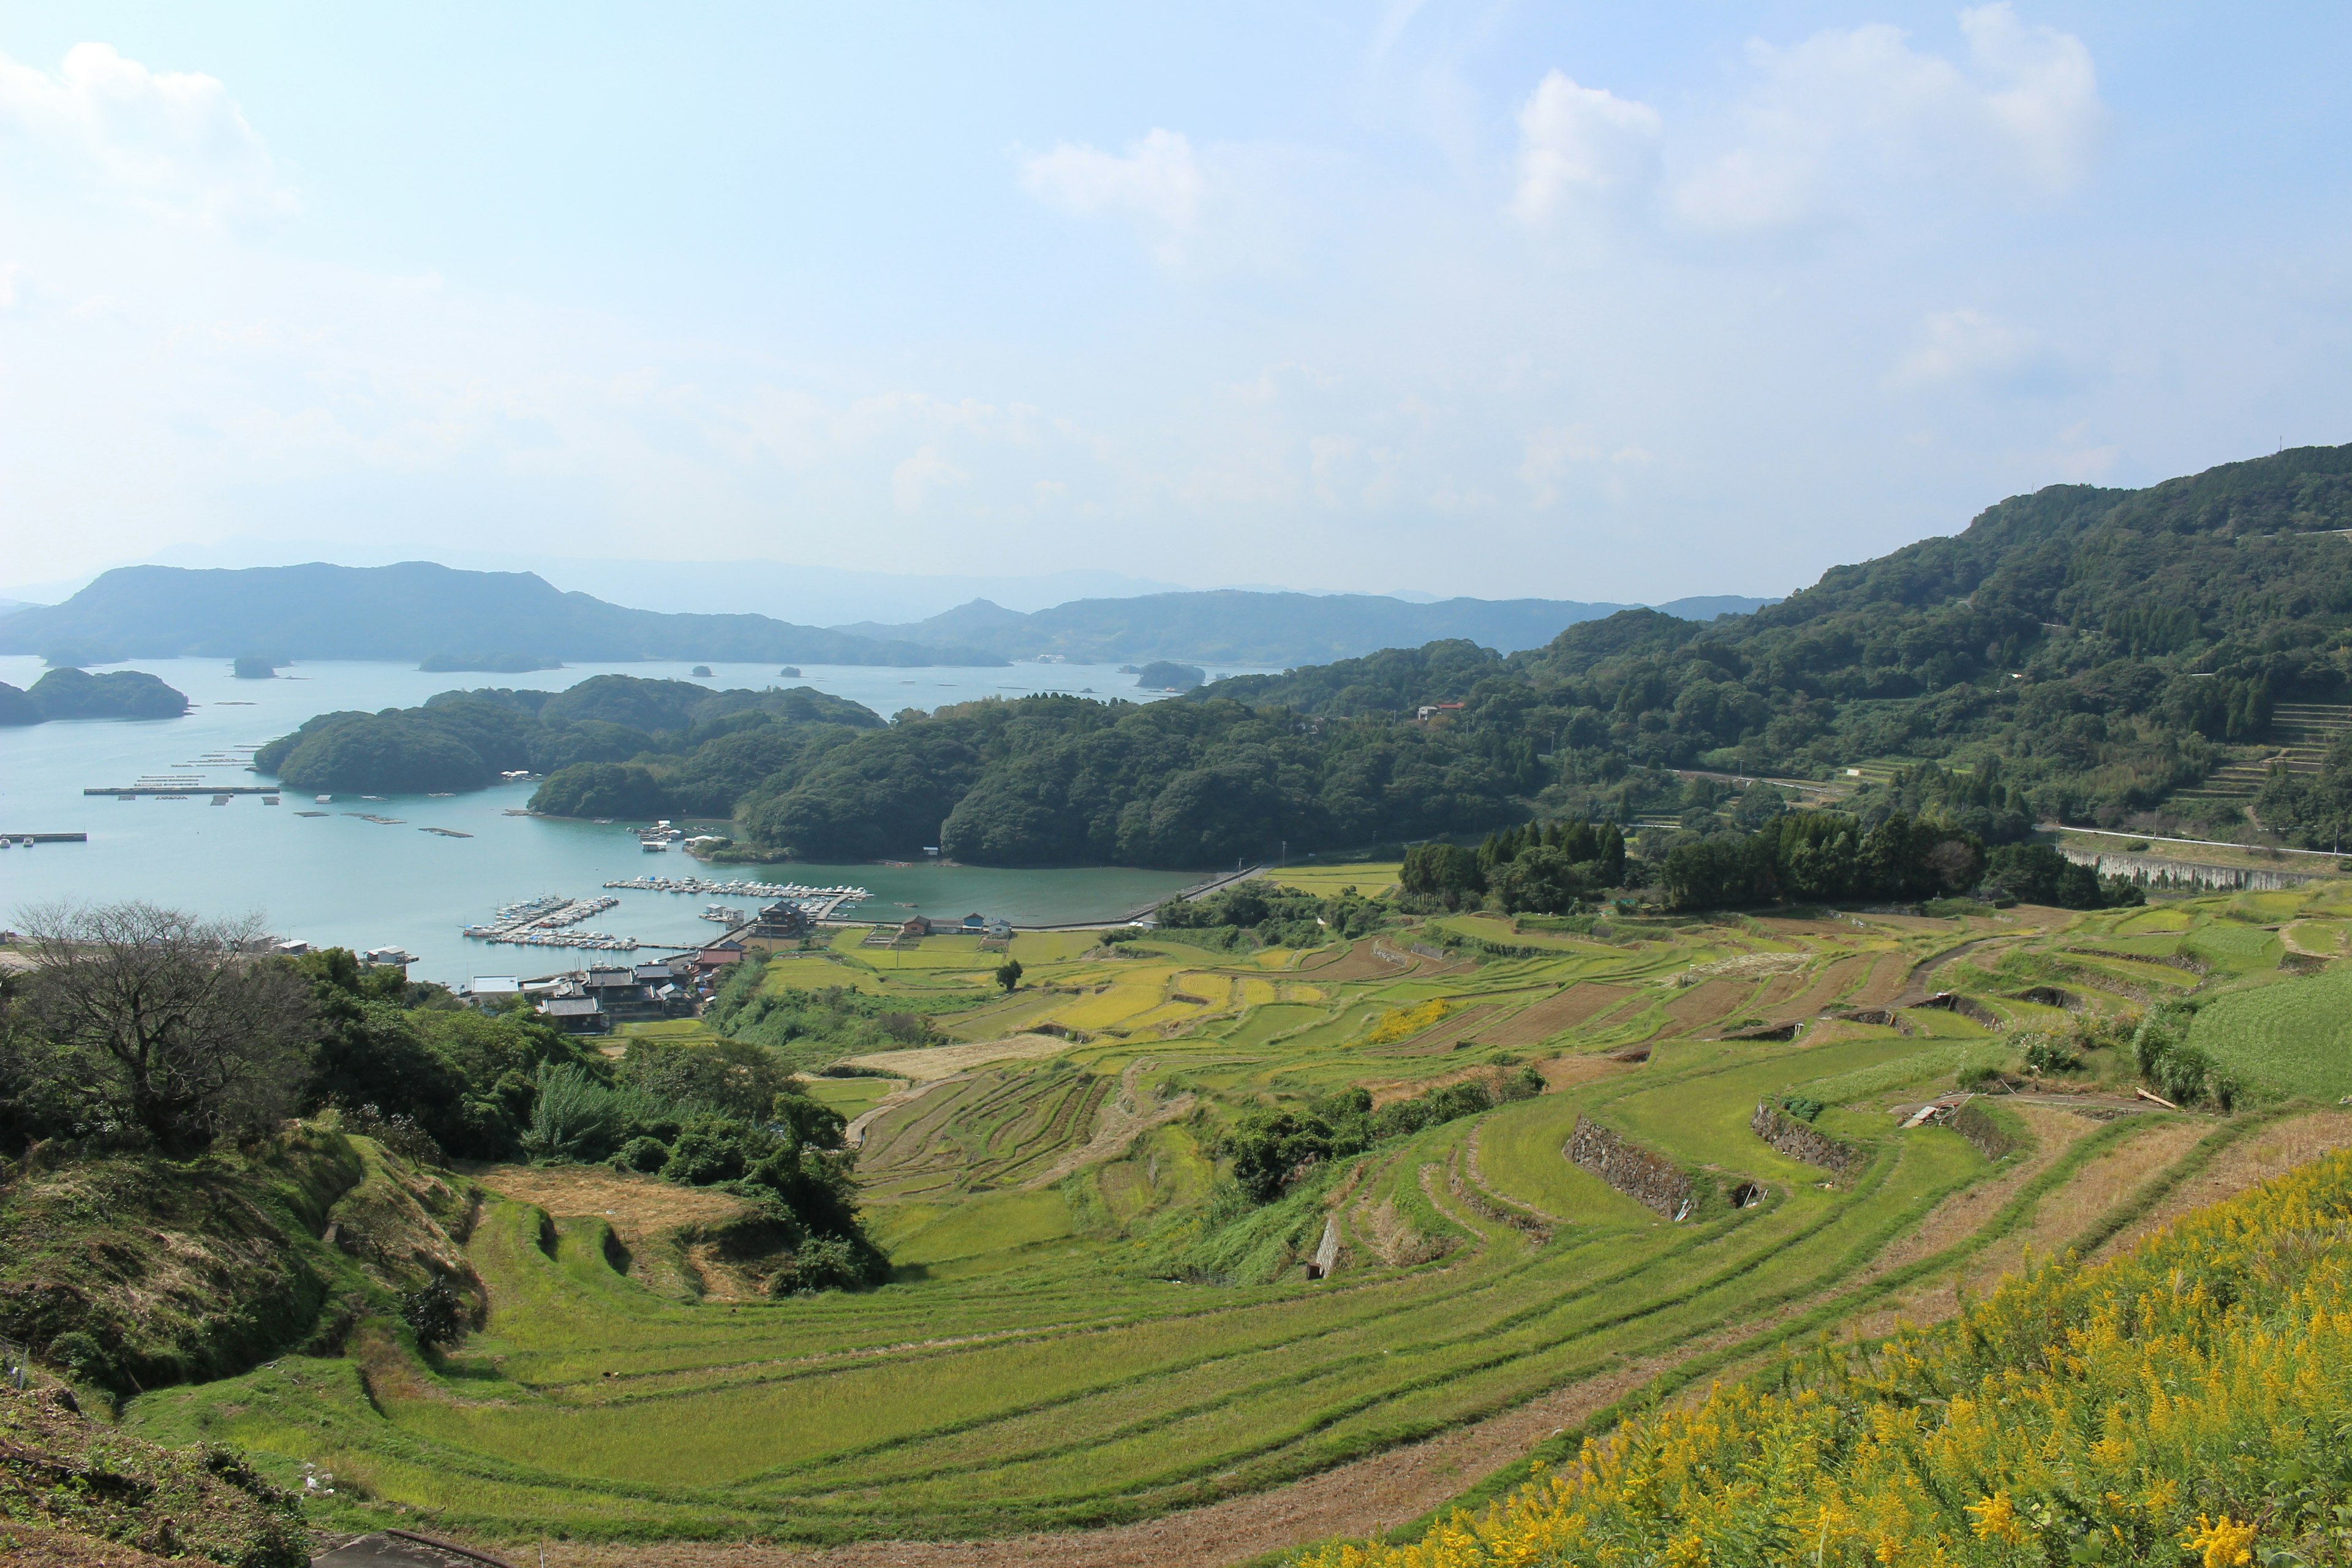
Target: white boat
652	845
321	799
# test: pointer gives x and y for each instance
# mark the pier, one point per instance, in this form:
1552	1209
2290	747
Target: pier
7	838
182	790
540	922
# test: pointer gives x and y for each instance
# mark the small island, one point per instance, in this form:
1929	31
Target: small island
1164	675
257	666
72	693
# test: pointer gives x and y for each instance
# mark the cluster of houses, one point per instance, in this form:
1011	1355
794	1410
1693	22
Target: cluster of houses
592	1001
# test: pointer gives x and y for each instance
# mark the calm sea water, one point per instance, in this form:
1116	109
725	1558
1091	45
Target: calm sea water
339	879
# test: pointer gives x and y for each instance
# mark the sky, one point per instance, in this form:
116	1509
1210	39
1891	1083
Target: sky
1604	302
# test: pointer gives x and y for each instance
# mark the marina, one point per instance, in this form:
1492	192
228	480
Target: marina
817	903
547	912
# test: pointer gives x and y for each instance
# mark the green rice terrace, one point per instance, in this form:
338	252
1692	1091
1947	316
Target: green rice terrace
1608	1159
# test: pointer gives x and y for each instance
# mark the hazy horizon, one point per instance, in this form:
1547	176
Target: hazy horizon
1571	303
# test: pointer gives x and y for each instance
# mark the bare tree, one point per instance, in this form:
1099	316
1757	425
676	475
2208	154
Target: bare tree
165	1022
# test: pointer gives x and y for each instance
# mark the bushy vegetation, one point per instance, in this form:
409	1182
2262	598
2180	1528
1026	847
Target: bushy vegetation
1272	1148
1821	857
2184	1401
692	750
808	1029
1274	916
148	1064
1534	869
75	1491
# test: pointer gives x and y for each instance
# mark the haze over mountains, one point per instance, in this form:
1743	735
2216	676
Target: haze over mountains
491	620
1233	626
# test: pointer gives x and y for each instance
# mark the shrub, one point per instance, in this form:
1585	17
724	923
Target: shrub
642	1153
433	1313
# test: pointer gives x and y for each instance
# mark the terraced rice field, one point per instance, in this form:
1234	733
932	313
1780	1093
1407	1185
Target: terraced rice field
1086	1330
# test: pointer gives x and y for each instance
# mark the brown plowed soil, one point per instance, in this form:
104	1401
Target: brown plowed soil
1361	962
1784	986
1558	1014
1699	1006
1828	985
1888	972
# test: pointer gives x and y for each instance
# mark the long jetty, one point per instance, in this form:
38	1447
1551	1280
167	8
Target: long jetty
186	789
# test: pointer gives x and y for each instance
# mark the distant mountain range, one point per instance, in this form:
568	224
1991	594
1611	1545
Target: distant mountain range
453	619
1235	626
412	611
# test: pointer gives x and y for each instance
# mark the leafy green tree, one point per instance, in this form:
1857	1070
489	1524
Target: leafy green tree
1008	974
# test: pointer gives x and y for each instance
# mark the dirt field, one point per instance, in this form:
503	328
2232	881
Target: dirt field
635	1207
1702	1005
1556	1015
940	1061
2256	1158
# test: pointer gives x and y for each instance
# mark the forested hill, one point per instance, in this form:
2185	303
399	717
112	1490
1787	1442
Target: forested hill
2080	654
412	611
2100	646
1240	627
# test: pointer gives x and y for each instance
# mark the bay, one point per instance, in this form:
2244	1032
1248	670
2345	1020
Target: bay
340	880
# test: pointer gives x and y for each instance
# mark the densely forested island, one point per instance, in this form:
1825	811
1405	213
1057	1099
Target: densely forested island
465	740
72	693
1166	675
486	663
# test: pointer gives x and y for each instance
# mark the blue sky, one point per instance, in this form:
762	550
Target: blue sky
1582	301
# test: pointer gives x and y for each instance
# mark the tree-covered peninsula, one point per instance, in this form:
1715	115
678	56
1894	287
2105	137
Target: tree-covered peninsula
466	740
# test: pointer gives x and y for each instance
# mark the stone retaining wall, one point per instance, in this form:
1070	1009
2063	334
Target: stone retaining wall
1649	1179
1801	1141
2159	871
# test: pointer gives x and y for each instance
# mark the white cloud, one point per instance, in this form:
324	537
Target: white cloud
114	128
913	480
1968	347
1157	184
1583	142
1848	115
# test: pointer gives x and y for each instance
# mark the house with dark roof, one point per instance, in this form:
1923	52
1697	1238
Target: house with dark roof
576	1014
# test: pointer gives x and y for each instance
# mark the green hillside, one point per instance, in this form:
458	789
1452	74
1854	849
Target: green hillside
1099	1195
2165	659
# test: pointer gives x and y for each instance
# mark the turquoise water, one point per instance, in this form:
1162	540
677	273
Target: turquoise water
339	879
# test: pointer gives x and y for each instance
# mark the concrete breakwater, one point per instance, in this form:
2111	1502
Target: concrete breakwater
1650	1179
